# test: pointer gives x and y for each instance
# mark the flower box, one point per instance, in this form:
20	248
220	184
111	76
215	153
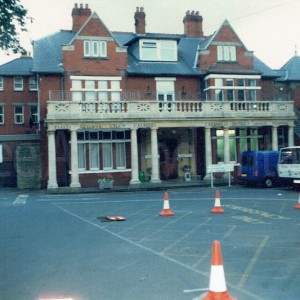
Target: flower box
106	183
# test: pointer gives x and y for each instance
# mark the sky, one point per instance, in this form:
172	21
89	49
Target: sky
269	28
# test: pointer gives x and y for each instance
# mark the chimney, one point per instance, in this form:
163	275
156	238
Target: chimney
139	21
80	15
193	24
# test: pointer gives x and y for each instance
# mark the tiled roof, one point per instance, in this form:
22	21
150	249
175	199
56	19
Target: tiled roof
263	68
18	67
48	52
291	70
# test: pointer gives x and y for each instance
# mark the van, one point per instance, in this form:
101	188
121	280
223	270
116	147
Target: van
260	167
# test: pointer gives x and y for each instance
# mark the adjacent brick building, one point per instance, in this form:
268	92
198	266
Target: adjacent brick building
142	105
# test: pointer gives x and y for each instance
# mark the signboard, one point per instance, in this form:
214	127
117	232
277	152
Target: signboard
220	168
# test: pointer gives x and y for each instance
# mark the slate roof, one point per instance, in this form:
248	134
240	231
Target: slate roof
290	71
187	50
264	69
48	52
48	57
18	67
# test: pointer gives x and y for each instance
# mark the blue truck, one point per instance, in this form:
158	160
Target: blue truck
260	167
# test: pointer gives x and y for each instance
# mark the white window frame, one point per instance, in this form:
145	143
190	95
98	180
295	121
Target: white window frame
226	53
1	83
87	48
121	155
160	49
18	117
18	83
95	48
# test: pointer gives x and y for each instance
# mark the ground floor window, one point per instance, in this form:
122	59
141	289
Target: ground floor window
240	140
102	151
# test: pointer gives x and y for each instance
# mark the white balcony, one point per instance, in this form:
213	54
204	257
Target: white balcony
129	107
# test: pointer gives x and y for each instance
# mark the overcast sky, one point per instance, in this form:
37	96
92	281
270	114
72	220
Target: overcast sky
270	28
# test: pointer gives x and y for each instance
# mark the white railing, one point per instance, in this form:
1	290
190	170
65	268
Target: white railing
109	110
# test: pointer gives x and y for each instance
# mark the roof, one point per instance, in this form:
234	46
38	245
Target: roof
263	68
290	71
48	52
184	66
18	67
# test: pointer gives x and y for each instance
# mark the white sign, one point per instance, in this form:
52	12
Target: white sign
220	168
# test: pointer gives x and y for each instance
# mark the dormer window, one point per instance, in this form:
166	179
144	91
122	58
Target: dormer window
226	53
158	50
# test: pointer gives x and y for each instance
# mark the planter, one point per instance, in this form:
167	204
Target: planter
106	184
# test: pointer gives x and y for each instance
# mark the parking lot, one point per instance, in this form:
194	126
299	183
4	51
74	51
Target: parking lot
63	246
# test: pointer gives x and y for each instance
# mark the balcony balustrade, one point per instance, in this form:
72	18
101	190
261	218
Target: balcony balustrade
108	106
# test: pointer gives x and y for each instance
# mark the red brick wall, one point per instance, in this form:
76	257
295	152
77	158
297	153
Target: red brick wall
9	97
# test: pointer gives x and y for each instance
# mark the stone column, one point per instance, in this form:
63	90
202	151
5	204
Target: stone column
154	157
134	158
274	138
74	160
208	152
226	146
291	136
52	180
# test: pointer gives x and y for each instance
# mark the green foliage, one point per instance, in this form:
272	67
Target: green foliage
13	19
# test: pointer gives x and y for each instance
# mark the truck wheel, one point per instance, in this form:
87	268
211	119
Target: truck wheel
269	182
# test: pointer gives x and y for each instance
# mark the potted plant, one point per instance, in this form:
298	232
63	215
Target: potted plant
106	182
186	168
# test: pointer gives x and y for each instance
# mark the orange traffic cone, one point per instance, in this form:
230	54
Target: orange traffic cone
166	212
298	205
217	284
217	209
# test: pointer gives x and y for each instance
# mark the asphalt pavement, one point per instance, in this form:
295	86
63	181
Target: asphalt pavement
61	246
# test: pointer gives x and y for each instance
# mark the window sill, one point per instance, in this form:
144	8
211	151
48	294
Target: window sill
95	57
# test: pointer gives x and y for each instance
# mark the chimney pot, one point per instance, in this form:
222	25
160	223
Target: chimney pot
193	24
80	15
140	23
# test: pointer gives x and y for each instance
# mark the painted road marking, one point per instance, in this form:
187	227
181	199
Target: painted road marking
21	200
149	250
257	212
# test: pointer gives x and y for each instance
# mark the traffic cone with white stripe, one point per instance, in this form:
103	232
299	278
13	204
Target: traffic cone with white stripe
166	212
217	284
298	205
217	208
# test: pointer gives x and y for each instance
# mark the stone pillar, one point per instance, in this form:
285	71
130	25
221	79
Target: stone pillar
274	138
226	146
291	136
74	160
208	152
52	180
134	158
154	157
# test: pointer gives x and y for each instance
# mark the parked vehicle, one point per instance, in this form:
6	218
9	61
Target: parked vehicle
260	167
289	164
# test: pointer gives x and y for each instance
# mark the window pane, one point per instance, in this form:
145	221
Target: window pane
107	156
1	83
220	52
232	53
94	156
81	156
103	49
226	53
95	48
121	155
87	48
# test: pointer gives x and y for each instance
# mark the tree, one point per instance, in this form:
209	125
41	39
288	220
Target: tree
13	20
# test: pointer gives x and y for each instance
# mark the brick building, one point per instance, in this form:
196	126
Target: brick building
118	104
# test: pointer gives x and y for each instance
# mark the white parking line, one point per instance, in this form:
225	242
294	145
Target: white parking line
20	200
